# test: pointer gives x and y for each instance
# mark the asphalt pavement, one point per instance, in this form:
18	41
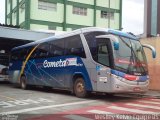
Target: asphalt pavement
43	104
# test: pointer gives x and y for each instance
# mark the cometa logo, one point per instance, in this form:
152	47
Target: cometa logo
60	63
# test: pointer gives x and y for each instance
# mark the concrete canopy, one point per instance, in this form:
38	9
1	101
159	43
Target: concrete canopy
13	33
13	37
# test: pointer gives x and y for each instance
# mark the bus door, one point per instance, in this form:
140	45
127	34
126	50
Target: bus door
105	46
104	60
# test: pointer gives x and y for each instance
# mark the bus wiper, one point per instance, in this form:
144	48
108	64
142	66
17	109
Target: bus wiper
132	58
137	60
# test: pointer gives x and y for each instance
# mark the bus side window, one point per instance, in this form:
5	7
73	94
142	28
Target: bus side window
103	55
57	48
23	53
15	56
42	51
74	46
92	42
34	54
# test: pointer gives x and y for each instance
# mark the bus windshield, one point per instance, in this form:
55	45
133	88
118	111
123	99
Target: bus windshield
130	58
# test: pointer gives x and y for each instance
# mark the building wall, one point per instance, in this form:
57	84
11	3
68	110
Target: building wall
21	16
37	27
90	2
103	3
8	6
115	4
158	20
153	64
14	3
30	17
44	15
14	15
8	9
78	19
152	18
101	22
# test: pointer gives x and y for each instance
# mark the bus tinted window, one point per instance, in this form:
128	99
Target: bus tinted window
34	54
103	54
57	48
73	46
43	50
20	54
15	55
92	43
23	53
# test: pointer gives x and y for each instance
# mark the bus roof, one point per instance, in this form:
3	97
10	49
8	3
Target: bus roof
79	31
120	33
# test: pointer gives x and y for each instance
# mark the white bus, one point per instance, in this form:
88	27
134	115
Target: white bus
82	61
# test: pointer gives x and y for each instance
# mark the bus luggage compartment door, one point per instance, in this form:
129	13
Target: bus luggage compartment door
103	81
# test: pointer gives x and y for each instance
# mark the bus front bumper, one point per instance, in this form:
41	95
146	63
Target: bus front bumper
129	87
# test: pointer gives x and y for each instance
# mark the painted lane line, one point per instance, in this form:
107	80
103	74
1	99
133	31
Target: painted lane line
13	103
76	117
10	98
144	106
99	112
46	107
132	110
158	100
150	102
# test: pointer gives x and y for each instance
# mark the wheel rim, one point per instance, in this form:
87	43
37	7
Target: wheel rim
80	87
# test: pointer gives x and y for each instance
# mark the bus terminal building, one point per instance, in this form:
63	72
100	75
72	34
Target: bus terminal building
64	15
13	37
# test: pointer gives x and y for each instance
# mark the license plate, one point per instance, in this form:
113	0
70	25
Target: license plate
136	89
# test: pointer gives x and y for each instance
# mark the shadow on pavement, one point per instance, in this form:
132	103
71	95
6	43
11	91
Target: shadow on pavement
5	83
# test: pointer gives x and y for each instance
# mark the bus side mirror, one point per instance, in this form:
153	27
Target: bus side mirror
151	48
113	39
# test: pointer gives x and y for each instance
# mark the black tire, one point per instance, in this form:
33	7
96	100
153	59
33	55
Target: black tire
47	88
79	88
23	83
110	95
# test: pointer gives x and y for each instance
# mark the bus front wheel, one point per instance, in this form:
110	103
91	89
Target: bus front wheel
23	83
79	88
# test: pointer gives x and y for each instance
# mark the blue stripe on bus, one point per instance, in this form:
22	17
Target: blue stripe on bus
120	33
143	78
121	74
36	72
118	73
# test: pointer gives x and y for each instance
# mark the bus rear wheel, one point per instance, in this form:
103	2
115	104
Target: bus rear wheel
23	83
79	88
